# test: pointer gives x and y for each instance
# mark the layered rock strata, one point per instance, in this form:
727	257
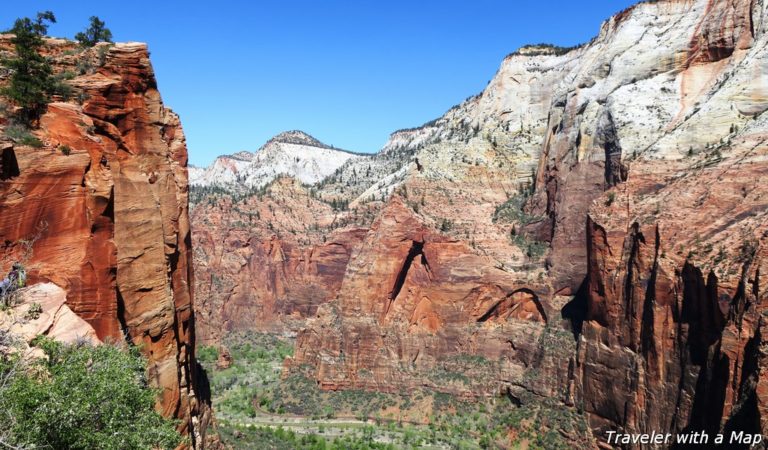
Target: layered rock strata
100	210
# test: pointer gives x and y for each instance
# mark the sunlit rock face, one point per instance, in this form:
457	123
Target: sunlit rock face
591	228
291	153
104	202
52	318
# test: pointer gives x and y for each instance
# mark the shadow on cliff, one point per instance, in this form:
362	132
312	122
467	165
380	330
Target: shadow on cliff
705	321
575	311
9	166
202	384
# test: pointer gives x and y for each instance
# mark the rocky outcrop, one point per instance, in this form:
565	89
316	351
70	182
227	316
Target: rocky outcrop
673	247
420	307
675	292
101	211
42	310
291	153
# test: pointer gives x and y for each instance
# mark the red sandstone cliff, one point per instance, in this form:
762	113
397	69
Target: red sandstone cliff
267	263
111	216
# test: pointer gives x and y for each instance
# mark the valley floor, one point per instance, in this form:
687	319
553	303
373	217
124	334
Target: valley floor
256	407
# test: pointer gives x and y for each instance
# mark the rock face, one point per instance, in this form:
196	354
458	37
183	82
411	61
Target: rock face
592	228
56	320
249	276
419	308
100	210
675	247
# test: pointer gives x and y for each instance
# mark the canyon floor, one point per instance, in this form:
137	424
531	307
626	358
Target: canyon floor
256	407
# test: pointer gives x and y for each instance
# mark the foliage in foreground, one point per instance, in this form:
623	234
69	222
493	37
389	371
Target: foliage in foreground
32	81
82	397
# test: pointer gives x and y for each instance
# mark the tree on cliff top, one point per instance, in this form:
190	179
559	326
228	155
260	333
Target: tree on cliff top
95	33
32	80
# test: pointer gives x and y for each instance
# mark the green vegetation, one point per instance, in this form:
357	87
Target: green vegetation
95	33
34	311
533	249
545	49
207	355
339	205
299	395
256	408
257	363
61	87
31	80
81	397
211	194
283	439
512	211
20	134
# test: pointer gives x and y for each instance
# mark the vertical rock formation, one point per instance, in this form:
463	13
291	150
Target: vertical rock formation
671	128
105	199
420	308
267	263
649	150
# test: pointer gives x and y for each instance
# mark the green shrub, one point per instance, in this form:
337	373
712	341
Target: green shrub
34	311
512	211
65	150
95	33
207	354
20	134
103	52
533	249
60	86
84	66
83	397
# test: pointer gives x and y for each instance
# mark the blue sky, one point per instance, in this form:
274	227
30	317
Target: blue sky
347	72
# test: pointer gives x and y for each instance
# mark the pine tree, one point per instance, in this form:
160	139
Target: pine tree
32	81
96	32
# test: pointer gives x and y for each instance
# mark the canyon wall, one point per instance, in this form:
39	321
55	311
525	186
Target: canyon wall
648	191
266	263
100	209
590	228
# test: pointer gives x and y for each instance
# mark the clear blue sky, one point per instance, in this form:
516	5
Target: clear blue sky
347	72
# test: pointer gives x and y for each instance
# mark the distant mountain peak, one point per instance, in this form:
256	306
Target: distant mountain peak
297	137
243	155
290	153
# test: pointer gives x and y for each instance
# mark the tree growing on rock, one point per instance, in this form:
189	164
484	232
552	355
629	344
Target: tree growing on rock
95	33
31	80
